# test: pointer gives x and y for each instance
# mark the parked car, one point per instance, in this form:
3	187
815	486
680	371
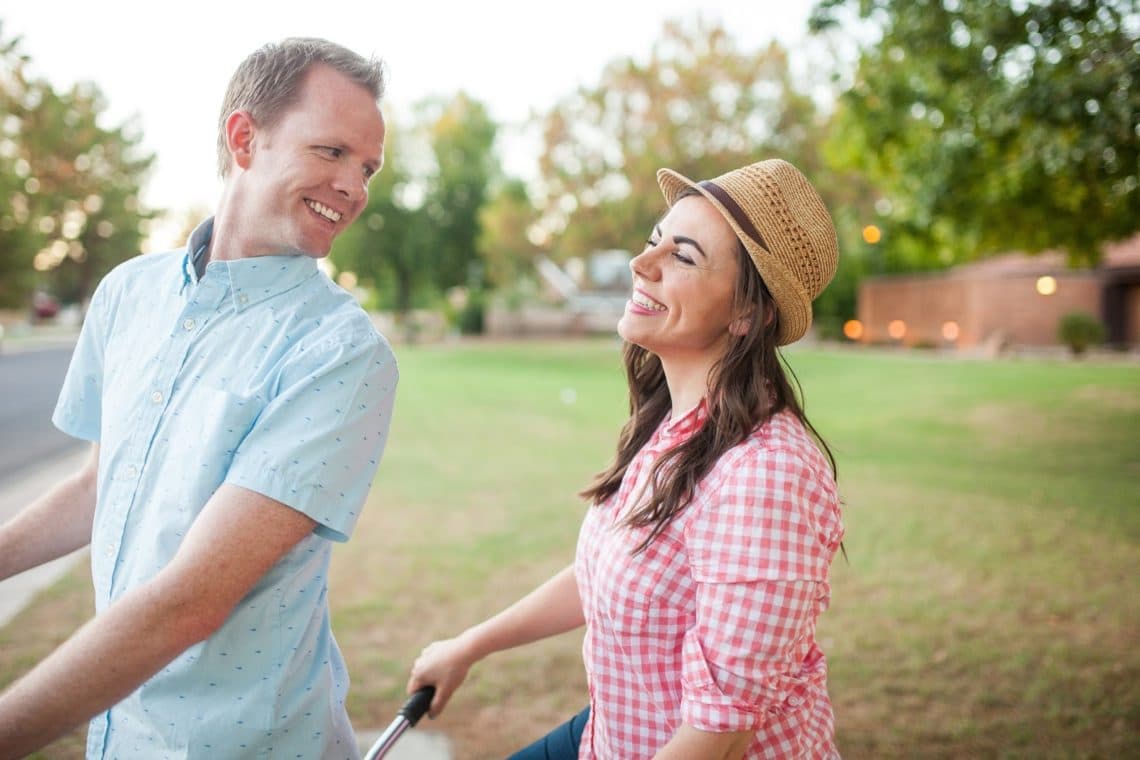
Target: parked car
44	306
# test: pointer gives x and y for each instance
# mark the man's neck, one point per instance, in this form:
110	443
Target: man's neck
226	243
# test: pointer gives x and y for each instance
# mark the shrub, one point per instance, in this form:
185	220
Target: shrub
1079	330
470	318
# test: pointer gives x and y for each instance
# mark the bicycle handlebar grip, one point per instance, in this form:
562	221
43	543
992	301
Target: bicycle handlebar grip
417	705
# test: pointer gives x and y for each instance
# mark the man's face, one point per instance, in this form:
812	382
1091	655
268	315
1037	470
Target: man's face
307	176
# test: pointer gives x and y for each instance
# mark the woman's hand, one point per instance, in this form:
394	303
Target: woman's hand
444	665
552	608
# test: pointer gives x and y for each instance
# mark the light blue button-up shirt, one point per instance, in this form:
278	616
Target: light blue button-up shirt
266	375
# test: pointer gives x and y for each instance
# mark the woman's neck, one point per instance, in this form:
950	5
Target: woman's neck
688	383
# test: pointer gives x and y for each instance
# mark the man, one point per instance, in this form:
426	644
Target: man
238	403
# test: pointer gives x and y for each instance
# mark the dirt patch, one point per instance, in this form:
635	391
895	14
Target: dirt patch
1116	399
1004	423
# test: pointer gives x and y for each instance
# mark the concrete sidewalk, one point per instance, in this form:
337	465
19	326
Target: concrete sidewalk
15	338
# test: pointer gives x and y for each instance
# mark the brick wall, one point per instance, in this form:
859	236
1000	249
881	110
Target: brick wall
983	308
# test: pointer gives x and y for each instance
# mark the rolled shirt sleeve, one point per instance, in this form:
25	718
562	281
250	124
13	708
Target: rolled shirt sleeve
760	549
741	662
317	444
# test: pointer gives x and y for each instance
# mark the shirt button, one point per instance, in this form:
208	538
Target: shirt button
794	701
132	471
109	551
243	298
156	397
188	324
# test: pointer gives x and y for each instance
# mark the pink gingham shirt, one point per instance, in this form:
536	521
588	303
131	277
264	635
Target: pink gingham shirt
714	624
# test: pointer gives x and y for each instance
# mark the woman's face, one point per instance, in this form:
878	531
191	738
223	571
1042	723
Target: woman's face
684	284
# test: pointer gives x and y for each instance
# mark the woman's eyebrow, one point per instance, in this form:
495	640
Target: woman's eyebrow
682	239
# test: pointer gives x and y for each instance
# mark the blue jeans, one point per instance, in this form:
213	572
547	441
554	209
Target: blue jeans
559	744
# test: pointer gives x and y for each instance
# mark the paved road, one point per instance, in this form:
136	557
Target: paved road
29	386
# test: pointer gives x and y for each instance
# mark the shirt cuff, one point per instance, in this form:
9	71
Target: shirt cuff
705	706
270	480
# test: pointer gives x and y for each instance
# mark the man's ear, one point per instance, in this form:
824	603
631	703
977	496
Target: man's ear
239	137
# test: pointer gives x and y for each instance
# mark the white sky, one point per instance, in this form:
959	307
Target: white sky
169	63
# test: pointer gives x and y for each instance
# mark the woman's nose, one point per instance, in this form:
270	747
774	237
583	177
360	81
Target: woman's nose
647	264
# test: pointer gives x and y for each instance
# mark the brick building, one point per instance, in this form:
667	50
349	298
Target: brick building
1008	299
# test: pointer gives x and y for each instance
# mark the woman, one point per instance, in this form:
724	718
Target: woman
702	565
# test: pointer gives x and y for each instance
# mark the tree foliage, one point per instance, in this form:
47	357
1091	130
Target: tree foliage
994	125
388	248
699	105
504	243
462	136
419	233
69	186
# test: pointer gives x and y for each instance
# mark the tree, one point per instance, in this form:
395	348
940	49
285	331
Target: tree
71	187
19	238
462	136
699	105
389	246
419	233
991	126
504	244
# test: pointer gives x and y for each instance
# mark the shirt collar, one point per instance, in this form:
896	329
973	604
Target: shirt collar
251	280
685	425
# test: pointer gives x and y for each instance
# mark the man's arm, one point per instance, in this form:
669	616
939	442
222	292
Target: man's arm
57	523
238	536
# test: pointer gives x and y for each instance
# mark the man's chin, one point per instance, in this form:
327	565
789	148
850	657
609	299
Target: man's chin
316	247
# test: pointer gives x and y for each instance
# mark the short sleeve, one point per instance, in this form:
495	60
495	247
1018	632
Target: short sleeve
774	516
79	409
317	444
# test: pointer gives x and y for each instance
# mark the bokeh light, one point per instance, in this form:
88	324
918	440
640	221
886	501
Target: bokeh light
872	234
896	329
853	329
950	331
1046	285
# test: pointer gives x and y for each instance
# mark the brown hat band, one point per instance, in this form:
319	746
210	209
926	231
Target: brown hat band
733	208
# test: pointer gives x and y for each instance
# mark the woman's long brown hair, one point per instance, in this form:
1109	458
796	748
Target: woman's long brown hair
746	387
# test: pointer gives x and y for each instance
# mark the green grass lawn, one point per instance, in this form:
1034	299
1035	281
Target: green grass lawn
988	607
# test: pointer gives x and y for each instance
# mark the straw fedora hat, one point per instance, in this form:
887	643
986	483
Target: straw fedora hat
784	226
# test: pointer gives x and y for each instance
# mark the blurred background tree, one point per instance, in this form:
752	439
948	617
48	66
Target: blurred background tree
699	105
991	126
419	234
72	186
505	227
388	248
462	137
